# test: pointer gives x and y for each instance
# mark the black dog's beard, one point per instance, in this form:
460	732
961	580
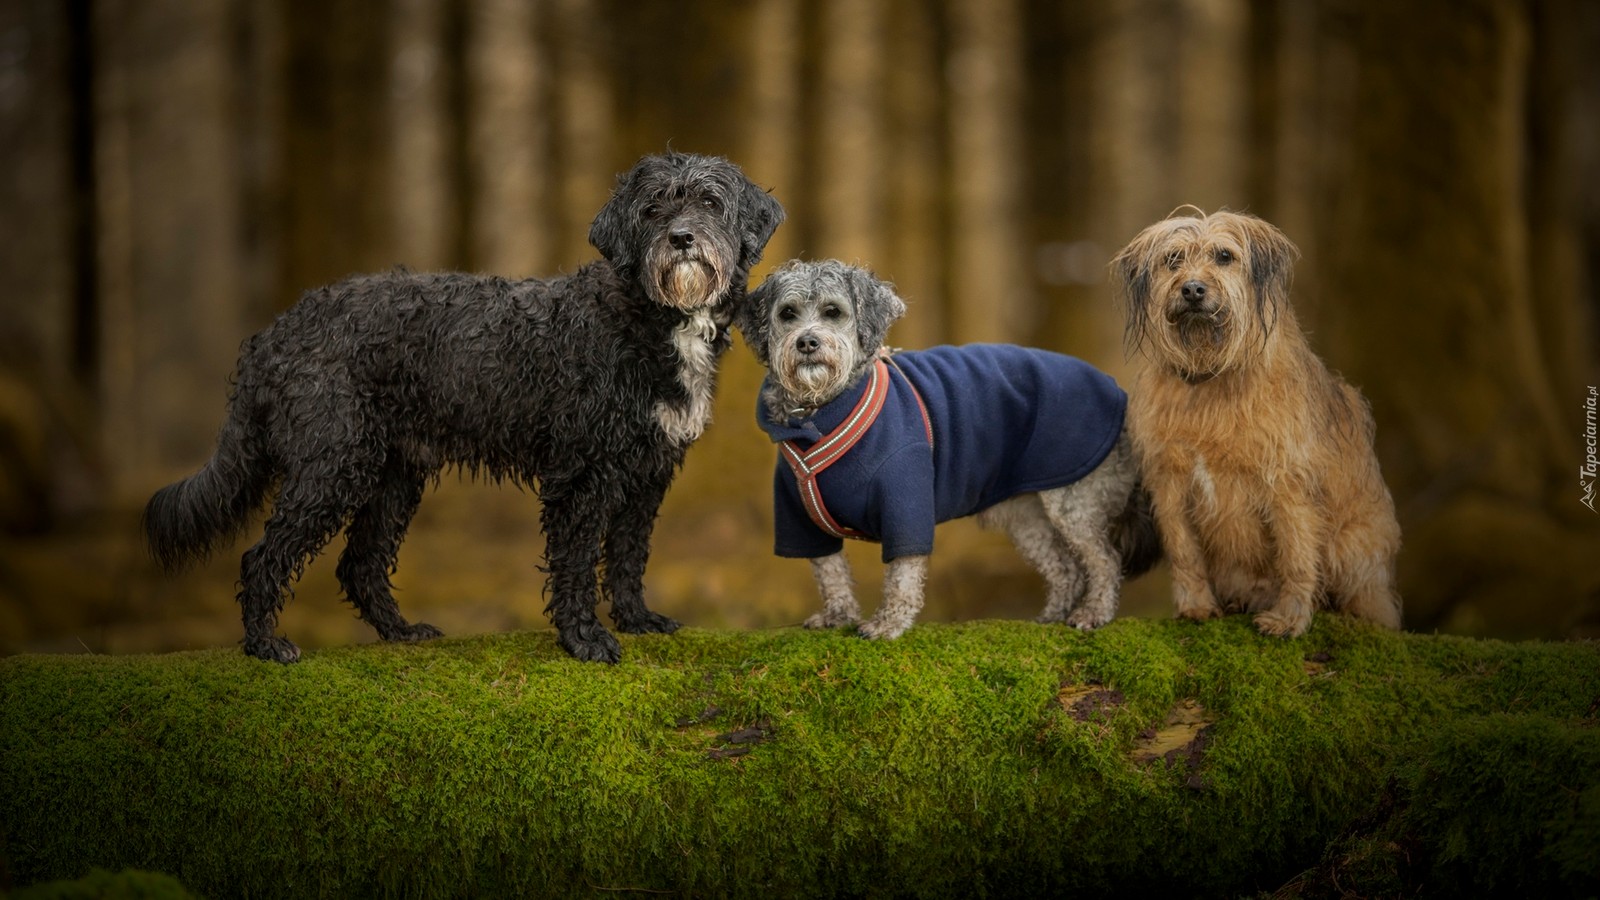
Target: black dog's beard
688	284
686	279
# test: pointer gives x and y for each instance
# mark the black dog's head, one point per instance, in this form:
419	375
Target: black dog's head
686	227
817	326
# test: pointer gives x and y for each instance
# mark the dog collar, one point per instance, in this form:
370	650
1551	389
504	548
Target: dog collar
808	464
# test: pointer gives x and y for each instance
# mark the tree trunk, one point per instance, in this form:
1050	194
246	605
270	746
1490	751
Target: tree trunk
1439	325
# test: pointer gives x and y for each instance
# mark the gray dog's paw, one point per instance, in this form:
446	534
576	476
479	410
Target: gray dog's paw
827	619
1085	619
876	629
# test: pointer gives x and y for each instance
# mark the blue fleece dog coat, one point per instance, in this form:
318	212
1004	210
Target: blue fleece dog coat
1004	420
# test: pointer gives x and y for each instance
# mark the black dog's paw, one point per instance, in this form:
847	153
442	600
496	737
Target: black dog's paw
590	644
273	649
647	622
420	631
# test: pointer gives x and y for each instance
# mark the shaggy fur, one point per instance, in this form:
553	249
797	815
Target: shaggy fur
1267	492
818	327
589	387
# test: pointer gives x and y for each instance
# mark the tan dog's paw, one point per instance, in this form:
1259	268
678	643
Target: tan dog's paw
1196	605
1278	623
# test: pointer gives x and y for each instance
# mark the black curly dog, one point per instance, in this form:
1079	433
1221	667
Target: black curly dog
589	387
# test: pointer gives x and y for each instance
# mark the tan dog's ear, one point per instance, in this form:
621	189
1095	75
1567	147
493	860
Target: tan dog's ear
1272	257
1133	277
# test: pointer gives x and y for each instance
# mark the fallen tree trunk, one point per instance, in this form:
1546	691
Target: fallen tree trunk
994	758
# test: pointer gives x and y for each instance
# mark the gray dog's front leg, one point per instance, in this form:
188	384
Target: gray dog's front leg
838	592
903	582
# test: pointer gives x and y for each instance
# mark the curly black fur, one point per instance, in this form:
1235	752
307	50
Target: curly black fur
588	387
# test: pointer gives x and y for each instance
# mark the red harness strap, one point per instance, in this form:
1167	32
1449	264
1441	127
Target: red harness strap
807	465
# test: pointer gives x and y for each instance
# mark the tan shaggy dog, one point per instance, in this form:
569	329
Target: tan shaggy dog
1260	462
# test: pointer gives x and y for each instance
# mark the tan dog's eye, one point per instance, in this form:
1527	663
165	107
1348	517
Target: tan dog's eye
1224	257
1174	259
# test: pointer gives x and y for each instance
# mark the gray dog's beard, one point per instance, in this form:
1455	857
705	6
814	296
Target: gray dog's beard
812	385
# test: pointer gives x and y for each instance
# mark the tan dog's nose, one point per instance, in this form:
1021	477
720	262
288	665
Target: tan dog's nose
1194	292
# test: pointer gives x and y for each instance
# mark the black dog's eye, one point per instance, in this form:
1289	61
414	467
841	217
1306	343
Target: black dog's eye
787	314
653	210
832	312
712	204
1224	257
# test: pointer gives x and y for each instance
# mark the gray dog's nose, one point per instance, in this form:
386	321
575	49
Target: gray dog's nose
807	344
1194	291
680	238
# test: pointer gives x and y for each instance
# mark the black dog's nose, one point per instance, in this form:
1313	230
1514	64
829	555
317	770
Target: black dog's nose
681	239
1194	291
807	344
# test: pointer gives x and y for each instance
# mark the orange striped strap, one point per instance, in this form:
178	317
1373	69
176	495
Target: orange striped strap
808	464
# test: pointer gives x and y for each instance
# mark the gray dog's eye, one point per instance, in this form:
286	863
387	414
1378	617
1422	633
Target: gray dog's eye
832	312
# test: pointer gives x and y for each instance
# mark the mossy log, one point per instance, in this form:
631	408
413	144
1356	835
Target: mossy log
991	758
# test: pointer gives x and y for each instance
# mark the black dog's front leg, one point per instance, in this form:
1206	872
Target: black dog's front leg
627	549
572	551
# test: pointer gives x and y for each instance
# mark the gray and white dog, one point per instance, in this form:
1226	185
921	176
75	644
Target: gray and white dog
881	447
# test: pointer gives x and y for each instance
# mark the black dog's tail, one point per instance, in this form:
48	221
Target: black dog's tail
185	521
1134	534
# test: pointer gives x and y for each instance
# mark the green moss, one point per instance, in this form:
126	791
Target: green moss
794	763
102	885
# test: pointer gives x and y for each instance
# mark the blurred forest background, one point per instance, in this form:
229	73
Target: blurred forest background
174	173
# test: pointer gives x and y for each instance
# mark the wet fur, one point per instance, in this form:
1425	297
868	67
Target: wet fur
588	387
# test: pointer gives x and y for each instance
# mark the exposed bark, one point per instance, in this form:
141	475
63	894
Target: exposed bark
508	138
169	255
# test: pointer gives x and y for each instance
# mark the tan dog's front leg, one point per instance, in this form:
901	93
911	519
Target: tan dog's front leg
1297	532
838	592
1192	597
903	582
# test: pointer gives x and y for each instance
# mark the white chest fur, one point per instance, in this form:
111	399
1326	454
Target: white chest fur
697	372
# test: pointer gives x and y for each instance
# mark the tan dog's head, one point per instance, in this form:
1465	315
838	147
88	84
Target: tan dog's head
1204	291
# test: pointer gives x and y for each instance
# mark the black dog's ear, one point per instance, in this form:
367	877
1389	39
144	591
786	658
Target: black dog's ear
759	216
754	318
877	307
609	233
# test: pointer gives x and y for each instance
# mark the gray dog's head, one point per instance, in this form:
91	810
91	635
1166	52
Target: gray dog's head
817	326
687	227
